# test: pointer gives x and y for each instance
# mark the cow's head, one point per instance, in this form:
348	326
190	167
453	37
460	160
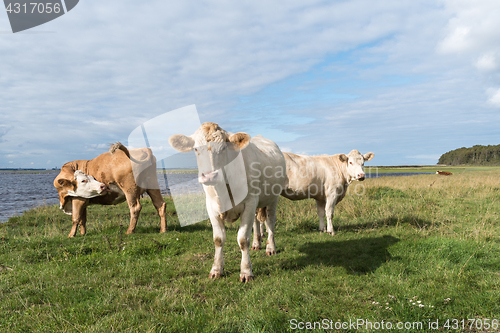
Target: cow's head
79	185
355	162
214	149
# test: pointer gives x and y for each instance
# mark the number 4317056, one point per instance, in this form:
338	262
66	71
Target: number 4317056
33	8
479	324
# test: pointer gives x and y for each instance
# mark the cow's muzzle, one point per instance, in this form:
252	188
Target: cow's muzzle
103	189
361	177
209	178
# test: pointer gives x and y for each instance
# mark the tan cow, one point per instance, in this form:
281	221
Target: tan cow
235	188
443	173
120	173
324	178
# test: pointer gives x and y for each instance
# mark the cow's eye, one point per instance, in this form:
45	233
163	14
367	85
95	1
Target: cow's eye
196	149
84	181
350	163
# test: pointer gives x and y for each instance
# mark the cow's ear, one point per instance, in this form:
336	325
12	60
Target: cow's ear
181	143
65	182
368	156
240	139
343	158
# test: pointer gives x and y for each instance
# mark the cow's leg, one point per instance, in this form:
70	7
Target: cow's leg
262	216
160	206
244	233
270	223
329	209
83	222
258	227
135	209
219	231
320	207
256	234
79	208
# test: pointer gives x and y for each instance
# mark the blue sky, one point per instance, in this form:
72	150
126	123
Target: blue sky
406	80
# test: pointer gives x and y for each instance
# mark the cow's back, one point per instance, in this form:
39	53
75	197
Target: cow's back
110	167
311	176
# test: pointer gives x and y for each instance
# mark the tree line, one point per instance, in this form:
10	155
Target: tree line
476	155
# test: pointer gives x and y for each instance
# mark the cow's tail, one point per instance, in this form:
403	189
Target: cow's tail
118	146
145	156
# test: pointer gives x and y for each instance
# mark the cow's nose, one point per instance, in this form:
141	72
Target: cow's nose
361	176
208	177
103	187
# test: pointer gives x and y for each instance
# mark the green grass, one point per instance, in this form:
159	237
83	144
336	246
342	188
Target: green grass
428	239
428	168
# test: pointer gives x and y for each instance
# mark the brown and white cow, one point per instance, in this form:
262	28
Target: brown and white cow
119	173
324	178
235	190
443	173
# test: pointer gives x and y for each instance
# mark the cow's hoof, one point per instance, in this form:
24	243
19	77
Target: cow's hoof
246	277
129	232
214	275
270	252
256	248
331	233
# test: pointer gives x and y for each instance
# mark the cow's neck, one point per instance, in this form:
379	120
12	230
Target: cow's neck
342	167
79	165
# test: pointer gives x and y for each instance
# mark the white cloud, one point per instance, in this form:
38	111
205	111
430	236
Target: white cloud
456	41
494	97
473	27
487	62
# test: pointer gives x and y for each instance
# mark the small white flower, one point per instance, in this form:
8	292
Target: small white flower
419	301
421	305
413	303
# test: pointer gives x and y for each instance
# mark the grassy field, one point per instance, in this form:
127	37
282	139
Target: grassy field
409	251
428	168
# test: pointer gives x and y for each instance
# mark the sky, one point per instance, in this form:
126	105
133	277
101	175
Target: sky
406	80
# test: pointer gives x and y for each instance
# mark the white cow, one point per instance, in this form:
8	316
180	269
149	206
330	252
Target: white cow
236	189
324	178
